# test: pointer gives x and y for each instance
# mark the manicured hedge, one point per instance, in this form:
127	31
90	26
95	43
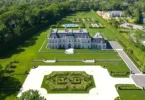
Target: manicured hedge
127	87
119	73
68	82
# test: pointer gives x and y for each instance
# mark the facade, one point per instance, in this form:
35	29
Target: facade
69	38
116	14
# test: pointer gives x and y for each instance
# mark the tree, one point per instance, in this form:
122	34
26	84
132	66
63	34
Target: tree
138	17
1	72
31	95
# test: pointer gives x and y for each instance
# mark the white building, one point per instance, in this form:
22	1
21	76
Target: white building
116	14
69	38
144	20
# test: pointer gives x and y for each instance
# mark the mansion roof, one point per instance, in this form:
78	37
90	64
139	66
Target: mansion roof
81	33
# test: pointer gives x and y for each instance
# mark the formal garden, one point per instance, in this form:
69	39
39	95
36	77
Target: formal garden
68	82
73	22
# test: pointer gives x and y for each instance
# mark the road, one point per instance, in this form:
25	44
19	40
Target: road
116	46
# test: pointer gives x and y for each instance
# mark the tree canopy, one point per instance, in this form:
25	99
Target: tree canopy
31	95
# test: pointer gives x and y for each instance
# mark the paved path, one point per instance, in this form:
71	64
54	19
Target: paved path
116	46
105	84
128	61
139	79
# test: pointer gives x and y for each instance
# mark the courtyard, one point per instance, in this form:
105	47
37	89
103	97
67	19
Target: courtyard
105	84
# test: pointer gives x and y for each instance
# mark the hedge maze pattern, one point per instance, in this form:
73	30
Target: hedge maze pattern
68	82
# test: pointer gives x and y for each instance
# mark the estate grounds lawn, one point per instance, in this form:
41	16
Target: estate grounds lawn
68	82
130	92
81	54
27	52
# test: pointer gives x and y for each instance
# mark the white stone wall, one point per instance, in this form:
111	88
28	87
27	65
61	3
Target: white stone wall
53	43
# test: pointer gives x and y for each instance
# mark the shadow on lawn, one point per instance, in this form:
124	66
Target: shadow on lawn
9	86
108	45
20	47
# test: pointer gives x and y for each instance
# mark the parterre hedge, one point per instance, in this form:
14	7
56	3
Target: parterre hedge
68	82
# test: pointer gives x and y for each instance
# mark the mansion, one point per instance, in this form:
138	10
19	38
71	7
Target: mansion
69	38
116	14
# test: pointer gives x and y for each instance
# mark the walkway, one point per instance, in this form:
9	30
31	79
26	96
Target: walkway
139	79
105	84
116	46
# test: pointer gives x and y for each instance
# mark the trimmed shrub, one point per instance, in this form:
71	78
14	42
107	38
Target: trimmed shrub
127	87
119	73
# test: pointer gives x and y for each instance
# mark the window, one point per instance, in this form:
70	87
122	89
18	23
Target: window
104	47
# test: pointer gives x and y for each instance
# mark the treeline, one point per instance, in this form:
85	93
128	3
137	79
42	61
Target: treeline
19	20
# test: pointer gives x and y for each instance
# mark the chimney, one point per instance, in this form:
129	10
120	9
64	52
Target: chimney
51	30
80	29
65	29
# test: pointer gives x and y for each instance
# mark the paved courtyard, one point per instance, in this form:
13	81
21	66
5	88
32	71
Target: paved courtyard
105	84
139	79
115	45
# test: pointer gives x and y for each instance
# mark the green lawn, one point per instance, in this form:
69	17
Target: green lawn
25	55
77	56
131	94
28	51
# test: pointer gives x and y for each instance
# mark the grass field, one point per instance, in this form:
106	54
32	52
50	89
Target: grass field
28	51
131	94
